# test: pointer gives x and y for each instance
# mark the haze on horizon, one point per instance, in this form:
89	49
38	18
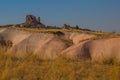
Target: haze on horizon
100	15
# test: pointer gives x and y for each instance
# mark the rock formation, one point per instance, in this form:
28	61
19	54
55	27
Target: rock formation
32	21
65	26
72	45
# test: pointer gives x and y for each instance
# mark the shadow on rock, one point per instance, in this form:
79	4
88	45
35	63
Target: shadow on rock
5	43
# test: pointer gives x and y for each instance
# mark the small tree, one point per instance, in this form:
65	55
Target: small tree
76	27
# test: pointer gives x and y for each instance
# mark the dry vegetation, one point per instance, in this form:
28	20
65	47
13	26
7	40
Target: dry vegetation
99	35
31	67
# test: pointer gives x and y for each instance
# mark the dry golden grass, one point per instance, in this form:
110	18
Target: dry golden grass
39	30
99	35
31	67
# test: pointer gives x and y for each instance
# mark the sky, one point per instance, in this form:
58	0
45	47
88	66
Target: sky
100	15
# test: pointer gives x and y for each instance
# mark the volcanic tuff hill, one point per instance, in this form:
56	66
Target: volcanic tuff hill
74	44
33	37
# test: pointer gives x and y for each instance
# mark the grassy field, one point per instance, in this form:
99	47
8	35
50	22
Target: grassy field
31	67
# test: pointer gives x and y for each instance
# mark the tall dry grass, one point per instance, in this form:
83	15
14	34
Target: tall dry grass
32	67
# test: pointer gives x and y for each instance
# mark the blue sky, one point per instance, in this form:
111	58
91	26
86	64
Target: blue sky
98	15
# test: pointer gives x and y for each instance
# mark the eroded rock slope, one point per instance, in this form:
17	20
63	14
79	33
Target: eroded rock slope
50	46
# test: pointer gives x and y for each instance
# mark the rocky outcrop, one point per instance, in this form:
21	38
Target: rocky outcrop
32	21
44	45
15	36
65	26
95	50
50	46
